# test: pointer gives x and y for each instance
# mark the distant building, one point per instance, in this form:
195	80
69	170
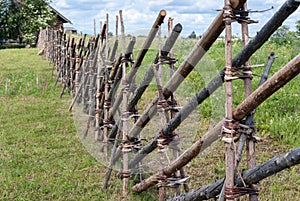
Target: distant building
70	30
60	19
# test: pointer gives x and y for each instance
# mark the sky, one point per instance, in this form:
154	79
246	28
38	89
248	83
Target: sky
139	15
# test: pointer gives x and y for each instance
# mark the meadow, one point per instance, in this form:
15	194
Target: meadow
42	158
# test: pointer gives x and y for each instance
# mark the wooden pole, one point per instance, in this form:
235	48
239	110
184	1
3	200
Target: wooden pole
125	89
199	50
95	32
228	132
250	176
106	105
131	74
158	76
149	74
98	92
262	36
115	48
278	80
250	147
249	119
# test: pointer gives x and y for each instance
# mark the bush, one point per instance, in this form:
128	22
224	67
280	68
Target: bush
12	46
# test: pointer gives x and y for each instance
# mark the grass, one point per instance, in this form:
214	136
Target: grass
42	158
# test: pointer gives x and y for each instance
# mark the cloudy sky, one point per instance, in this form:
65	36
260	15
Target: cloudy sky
139	15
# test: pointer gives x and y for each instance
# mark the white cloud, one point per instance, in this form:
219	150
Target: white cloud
140	15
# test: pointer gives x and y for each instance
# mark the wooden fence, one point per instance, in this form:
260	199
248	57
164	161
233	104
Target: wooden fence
92	72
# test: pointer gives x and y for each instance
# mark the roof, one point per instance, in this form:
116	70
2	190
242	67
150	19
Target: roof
65	20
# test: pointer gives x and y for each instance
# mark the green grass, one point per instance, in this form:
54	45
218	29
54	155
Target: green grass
41	157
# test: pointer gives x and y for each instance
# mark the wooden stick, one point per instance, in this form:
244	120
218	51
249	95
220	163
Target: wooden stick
291	70
250	176
199	50
106	94
139	59
125	89
249	119
115	48
250	147
149	74
262	36
228	125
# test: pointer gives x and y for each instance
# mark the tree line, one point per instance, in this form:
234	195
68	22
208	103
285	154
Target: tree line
21	19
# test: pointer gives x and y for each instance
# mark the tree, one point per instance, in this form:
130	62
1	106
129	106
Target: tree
298	27
192	35
22	19
283	36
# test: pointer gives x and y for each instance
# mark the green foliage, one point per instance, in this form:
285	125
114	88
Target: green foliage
22	19
298	28
42	159
283	36
192	35
11	46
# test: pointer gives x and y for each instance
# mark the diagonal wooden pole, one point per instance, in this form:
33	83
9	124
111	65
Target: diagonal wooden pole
262	36
131	74
278	80
250	176
199	50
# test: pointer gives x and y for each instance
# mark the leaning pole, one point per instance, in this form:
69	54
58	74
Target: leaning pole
251	176
204	44
278	80
262	36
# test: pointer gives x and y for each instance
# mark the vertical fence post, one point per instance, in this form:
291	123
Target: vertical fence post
228	131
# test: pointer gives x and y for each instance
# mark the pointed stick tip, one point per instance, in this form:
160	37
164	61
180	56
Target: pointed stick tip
163	12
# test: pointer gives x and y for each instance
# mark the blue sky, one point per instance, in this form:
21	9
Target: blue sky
139	15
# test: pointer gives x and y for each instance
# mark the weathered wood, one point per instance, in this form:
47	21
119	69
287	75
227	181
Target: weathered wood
250	176
278	80
115	47
250	147
106	84
213	85
125	91
159	20
199	50
275	82
249	119
184	158
149	74
229	143
262	36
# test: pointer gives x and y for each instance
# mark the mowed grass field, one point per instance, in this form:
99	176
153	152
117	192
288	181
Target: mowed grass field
41	157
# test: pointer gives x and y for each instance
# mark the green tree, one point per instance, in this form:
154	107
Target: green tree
22	19
283	36
192	35
298	27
